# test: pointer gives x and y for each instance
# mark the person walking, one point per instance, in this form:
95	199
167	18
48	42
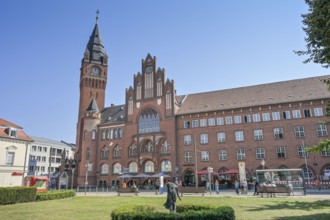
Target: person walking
256	185
157	187
216	186
236	187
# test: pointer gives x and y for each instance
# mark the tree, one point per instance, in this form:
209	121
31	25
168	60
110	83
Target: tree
317	29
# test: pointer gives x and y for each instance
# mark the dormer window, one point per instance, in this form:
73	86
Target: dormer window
12	132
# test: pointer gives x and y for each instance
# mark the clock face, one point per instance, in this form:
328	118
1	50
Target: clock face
149	69
95	71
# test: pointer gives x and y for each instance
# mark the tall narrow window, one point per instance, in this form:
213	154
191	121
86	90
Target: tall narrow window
148	85
299	131
204	139
239	136
10	158
247	119
159	87
205	156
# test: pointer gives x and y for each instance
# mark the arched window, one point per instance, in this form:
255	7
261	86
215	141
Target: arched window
147	147
104	153
165	148
308	174
149	121
166	166
116	168
105	169
133	167
132	150
116	151
149	167
93	135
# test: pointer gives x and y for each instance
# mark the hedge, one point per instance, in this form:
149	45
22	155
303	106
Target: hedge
188	211
54	194
18	194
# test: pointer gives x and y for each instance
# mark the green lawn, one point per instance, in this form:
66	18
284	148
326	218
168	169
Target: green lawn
81	207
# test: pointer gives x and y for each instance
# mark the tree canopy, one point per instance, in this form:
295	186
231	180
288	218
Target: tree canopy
317	28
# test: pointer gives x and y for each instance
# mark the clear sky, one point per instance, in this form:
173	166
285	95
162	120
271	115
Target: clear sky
203	45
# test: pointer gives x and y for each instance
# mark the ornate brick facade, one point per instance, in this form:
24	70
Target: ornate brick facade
158	131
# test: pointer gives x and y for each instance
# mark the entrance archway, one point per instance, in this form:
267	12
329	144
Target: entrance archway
188	178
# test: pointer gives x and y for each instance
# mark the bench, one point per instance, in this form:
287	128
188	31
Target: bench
192	190
274	189
128	190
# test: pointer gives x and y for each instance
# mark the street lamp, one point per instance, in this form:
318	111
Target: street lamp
195	154
70	164
263	163
88	165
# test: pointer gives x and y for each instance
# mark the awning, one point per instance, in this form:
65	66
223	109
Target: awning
16	174
126	175
228	172
160	174
142	175
201	172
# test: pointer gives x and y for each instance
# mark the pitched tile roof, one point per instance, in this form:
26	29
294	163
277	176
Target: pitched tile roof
258	95
4	130
113	114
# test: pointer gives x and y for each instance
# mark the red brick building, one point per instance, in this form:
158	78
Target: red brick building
157	130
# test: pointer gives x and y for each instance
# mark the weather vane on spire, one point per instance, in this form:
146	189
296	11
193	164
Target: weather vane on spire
97	15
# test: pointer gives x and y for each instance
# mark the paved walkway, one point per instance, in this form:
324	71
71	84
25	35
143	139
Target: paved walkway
323	194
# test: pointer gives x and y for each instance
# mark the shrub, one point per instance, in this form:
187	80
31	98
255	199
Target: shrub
54	194
187	211
18	194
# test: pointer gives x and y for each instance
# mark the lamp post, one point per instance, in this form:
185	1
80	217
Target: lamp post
263	163
88	165
70	165
195	154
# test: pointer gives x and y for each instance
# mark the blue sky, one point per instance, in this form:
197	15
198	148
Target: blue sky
203	45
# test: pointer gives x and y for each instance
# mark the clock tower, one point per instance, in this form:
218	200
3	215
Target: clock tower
93	79
93	73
